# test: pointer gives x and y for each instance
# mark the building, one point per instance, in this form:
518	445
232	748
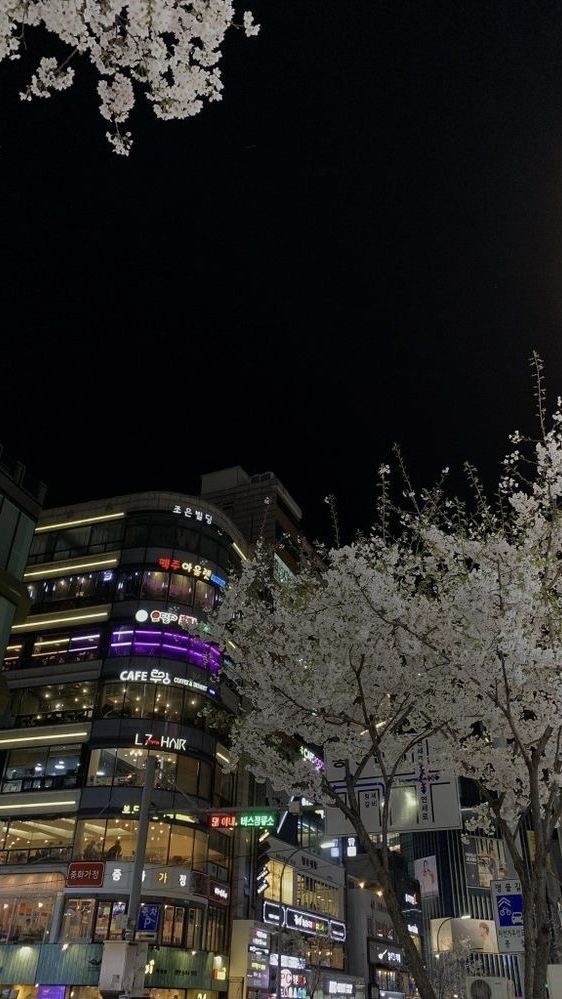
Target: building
455	871
21	498
114	664
261	507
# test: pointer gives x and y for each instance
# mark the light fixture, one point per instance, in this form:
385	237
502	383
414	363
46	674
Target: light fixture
75	523
59	570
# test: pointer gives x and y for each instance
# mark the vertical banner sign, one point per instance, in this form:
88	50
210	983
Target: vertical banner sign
507	900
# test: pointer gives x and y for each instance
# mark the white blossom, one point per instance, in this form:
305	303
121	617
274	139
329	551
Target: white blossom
170	50
250	26
449	628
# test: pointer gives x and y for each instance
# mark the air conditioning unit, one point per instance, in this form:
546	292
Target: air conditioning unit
489	988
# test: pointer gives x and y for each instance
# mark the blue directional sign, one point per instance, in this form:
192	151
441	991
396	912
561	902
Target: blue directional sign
510	910
149	917
508	913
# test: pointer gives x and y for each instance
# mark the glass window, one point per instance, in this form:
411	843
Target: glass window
29	768
128	585
72	541
187	540
219	853
28	840
317	896
109	533
200	850
162	535
14	650
181	845
102	921
31	920
179	922
188	772
274	875
8	519
193	934
77	919
168	924
204	596
182	589
61	702
155	585
117	910
20	546
42	547
101	768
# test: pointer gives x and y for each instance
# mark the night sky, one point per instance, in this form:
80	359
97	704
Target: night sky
361	243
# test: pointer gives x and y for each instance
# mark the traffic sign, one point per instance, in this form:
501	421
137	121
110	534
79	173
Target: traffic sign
507	900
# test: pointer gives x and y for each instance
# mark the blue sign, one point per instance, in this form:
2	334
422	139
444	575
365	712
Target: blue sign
149	917
510	910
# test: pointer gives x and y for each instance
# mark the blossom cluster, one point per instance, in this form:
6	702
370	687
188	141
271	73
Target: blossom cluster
169	49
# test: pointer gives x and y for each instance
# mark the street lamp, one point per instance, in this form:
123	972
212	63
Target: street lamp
441	925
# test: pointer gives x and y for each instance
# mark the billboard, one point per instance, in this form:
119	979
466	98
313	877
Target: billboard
485	860
425	871
422	798
463	934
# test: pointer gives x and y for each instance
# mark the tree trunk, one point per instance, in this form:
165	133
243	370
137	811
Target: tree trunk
414	961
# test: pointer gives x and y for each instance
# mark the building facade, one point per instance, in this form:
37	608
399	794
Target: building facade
114	663
21	498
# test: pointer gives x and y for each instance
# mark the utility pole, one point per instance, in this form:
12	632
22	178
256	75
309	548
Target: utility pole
140	852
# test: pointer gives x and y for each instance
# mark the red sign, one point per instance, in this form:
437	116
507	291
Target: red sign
85	874
222	821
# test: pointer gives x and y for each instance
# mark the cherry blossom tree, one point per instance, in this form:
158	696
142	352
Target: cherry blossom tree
168	49
444	624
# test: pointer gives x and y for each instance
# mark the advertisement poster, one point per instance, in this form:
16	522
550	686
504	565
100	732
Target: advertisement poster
485	860
464	934
425	871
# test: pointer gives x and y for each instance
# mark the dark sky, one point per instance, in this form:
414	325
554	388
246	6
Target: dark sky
360	244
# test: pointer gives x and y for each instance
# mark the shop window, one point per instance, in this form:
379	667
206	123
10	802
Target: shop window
41	767
106	535
182	589
316	896
179	922
155	585
204	596
31	919
103	918
128	585
127	767
193	932
187	540
72	541
63	648
168	924
216	929
13	655
219	854
277	870
181	845
61	702
78	919
23	841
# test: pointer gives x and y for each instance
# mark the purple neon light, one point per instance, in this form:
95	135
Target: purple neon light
199	653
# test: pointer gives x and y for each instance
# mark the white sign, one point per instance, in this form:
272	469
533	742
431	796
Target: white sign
189	512
507	902
422	798
165	617
341	988
160	676
161	742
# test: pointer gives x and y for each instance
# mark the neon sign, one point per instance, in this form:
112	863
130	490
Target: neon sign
189	512
311	757
165	617
248	820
